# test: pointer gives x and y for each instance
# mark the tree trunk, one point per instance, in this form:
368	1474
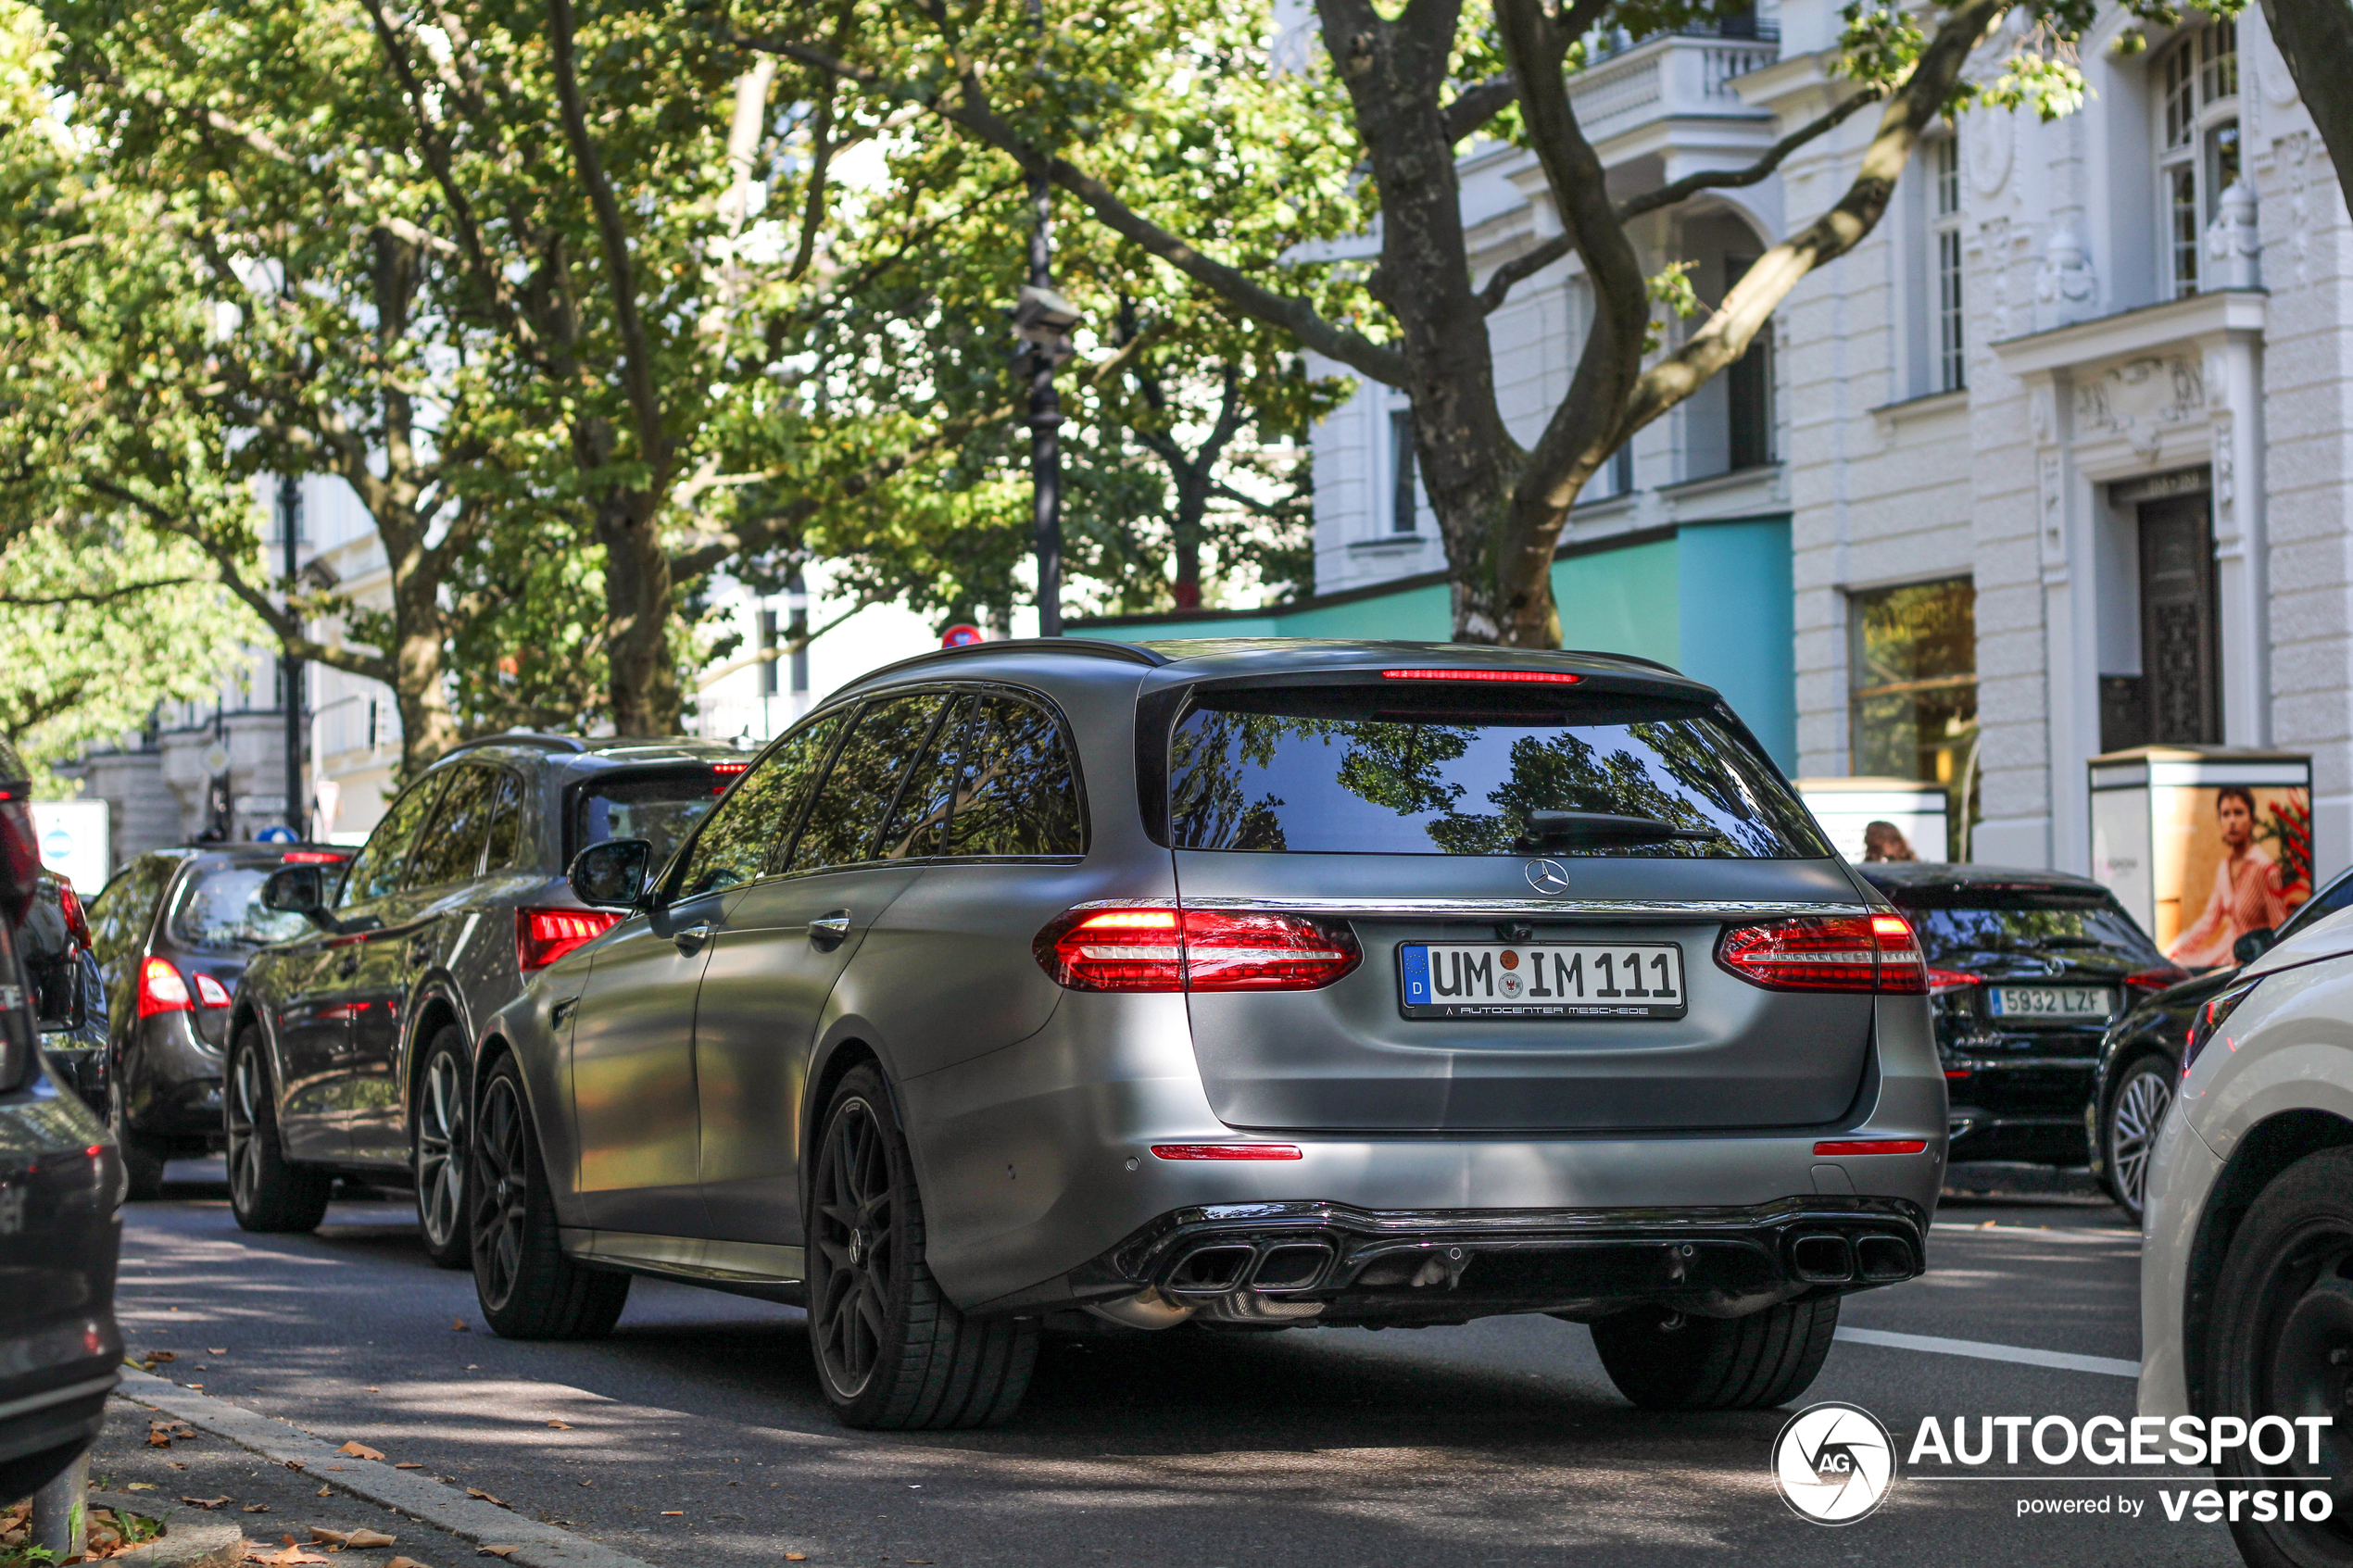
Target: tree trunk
2316	39
638	602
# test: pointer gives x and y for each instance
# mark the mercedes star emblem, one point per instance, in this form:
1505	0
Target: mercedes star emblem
1548	877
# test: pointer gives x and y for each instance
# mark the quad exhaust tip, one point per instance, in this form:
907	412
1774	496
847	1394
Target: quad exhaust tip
1823	1258
1222	1268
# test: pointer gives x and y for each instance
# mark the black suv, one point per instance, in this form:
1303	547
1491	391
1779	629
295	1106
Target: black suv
351	1047
171	934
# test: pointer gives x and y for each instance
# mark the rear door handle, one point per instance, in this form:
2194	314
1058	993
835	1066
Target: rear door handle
830	929
691	939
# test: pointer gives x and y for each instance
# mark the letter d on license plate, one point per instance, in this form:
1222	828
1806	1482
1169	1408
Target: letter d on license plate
1540	979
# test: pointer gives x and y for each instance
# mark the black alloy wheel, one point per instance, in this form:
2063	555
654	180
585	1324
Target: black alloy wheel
1669	1361
437	1148
267	1193
892	1352
2281	1344
527	1287
143	1159
2135	1111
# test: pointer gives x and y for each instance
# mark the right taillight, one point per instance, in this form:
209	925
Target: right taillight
1167	948
1828	953
544	935
163	989
2208	1020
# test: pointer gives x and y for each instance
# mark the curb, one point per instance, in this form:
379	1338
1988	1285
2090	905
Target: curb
191	1539
536	1545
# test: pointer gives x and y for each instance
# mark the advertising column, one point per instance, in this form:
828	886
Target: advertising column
2203	844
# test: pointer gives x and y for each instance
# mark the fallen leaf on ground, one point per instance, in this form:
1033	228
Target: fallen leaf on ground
326	1491
288	1558
161	1356
321	1535
796	1557
457	1325
148	1485
158	1439
358	1451
293	1465
207	1504
674	1513
403	1563
363	1537
256	1507
215	1350
175	1464
478	1492
498	1551
407	1464
560	1426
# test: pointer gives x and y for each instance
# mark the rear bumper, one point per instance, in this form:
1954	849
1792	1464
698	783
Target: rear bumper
1323	1262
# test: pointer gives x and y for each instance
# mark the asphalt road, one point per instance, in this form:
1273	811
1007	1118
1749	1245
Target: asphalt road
696	1435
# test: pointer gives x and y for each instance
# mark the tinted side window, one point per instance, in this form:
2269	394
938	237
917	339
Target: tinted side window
120	917
506	824
858	791
450	850
377	871
747	833
1016	787
916	827
2332	896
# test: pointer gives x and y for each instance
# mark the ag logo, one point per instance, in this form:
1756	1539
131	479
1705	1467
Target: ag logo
1834	1463
1548	877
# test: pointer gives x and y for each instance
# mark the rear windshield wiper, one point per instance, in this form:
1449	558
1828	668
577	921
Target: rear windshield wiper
1546	829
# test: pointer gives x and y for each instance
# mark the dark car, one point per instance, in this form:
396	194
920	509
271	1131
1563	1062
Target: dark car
60	1210
352	1046
68	996
1252	985
2026	970
2141	1057
171	936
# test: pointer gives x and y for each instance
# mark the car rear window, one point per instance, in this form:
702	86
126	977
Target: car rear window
658	808
1954	923
222	908
1374	771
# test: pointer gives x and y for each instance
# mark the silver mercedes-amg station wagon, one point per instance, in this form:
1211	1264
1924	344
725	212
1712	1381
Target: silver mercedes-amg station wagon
1232	985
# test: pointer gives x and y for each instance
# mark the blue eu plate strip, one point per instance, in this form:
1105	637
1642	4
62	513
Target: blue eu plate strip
1417	960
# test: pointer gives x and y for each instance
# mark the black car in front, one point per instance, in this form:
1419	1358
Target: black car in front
2026	971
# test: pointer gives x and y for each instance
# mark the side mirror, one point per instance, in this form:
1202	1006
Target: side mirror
296	890
2254	944
611	875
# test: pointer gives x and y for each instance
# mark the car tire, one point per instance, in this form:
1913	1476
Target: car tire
142	1158
2129	1121
527	1287
267	1193
893	1353
437	1153
1665	1361
2280	1332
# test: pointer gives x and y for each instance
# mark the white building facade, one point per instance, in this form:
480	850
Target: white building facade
2059	449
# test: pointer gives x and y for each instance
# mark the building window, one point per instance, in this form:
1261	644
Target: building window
2197	141
768	646
1912	709
1748	389
1401	470
1945	238
1622	469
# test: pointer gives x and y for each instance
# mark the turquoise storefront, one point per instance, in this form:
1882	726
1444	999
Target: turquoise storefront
1712	599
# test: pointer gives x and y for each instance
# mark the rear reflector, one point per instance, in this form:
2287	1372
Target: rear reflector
162	990
1828	953
1873	1145
1543	677
1173	949
1226	1151
544	935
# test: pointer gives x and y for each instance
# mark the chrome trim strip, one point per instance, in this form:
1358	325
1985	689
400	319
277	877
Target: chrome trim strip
59	1396
741	1263
1595	909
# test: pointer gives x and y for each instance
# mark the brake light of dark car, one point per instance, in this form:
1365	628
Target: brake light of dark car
729	770
76	920
2156	979
1945	982
162	990
544	935
210	992
2208	1020
313	858
1535	677
1174	950
1828	953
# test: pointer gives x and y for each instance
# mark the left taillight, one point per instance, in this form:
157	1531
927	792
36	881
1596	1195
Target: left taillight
163	989
76	919
210	992
1876	953
544	935
1178	949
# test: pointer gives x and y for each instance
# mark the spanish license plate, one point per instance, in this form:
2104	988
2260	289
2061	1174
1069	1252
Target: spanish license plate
2069	1004
1541	980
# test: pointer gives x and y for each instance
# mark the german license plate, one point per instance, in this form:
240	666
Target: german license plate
2069	1004
1541	980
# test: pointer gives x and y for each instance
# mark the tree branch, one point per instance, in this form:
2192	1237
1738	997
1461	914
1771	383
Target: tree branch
1477	103
972	113
107	595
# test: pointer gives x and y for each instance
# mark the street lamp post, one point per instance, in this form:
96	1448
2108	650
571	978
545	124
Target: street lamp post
1044	320
289	525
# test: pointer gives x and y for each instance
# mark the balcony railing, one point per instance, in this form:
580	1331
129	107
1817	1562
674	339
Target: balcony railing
1687	72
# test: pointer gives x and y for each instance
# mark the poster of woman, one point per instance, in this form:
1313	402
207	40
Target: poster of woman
2245	862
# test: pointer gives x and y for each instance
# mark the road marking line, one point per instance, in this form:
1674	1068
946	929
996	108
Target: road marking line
536	1545
2107	1366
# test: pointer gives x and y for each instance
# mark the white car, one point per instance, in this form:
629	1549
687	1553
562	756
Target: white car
2247	1271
